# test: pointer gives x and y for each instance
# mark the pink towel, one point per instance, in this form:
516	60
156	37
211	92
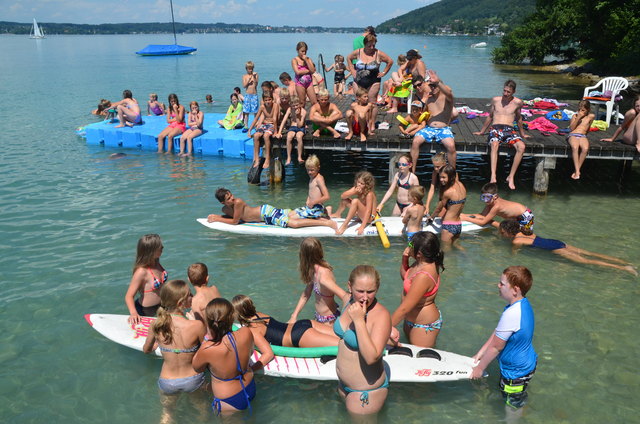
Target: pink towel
543	124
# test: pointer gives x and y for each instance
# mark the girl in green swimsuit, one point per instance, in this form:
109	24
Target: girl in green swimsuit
364	329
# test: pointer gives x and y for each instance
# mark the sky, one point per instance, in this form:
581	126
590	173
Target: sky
326	13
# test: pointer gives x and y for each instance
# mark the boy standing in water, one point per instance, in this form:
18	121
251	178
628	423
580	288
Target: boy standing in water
413	214
497	206
504	111
250	84
512	339
318	193
199	278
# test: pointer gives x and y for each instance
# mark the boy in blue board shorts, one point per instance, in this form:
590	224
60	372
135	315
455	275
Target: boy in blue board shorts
512	339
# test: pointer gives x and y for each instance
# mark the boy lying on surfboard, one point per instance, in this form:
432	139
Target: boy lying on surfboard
236	211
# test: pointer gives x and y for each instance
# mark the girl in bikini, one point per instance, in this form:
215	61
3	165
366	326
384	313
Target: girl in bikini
363	206
304	68
318	277
364	329
178	339
453	196
154	107
175	119
148	277
577	138
402	181
194	129
421	281
226	354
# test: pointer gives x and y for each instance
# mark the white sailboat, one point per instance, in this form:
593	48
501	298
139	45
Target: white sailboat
36	31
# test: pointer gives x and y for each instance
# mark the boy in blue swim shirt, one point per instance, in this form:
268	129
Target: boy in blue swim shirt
512	339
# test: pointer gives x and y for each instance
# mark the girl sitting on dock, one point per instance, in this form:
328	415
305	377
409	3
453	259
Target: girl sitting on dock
175	119
154	107
233	118
577	138
196	120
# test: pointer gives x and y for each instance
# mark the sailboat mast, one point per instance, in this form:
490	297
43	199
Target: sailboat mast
173	22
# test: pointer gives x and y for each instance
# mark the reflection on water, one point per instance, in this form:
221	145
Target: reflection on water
71	218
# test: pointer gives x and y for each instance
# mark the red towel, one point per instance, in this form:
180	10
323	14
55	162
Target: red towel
545	105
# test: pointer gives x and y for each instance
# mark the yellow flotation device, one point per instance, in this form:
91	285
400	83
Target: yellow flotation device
423	117
381	232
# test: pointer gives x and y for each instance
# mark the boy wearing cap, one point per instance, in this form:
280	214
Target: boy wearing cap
414	122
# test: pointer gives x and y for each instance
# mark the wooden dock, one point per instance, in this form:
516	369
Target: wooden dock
544	148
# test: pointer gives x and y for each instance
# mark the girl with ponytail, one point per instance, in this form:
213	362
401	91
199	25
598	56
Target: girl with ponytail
421	281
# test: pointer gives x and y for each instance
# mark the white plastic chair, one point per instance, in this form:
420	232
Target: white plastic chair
613	84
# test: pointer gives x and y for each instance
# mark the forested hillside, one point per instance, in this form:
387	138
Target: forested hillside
461	17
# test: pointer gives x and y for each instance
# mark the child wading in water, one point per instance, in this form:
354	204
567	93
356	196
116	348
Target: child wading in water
577	138
413	214
318	277
148	276
194	129
402	180
362	206
359	115
295	118
198	274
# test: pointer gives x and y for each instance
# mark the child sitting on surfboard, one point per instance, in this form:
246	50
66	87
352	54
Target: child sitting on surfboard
198	274
413	214
361	201
318	276
236	211
148	276
318	192
403	180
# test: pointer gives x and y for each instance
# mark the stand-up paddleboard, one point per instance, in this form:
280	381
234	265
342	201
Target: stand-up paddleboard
406	364
393	226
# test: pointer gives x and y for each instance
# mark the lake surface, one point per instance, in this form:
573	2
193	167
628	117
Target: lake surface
71	218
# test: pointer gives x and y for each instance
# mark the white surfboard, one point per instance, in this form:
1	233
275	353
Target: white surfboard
439	365
393	227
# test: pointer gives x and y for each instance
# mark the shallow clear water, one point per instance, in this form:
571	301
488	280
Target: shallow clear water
71	218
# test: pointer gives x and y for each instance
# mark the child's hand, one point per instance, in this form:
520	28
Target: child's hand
360	230
212	218
134	319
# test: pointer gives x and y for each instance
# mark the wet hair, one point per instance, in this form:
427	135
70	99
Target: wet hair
371	37
510	226
148	245
519	276
284	77
338	58
416	192
198	274
312	160
361	92
103	105
364	271
233	95
511	84
302	44
219	315
249	64
173	295
402	59
244	308
450	172
173	96
237	90
208	97
221	194
428	245
439	158
323	92
154	96
126	94
489	188
311	254
584	104
367	178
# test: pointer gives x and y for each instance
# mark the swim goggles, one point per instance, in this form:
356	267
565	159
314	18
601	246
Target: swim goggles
486	197
403	164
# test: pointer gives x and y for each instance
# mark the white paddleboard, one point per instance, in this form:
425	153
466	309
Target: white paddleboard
392	224
449	366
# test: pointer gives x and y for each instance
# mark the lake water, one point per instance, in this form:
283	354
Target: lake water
71	218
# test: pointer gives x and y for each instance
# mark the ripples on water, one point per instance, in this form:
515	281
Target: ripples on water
71	217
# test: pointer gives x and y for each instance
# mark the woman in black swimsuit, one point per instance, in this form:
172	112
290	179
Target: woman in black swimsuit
302	333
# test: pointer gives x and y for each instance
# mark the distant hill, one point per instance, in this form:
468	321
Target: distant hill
461	17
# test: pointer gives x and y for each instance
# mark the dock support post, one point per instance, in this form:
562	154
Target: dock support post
541	179
393	159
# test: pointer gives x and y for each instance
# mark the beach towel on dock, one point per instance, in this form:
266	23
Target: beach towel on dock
543	124
557	115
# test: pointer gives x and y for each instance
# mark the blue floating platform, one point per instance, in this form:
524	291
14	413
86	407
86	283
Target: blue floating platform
165	50
215	141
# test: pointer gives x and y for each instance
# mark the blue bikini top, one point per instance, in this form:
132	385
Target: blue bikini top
349	336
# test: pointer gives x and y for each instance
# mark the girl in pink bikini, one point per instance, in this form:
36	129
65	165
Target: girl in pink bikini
148	276
196	120
421	281
175	119
304	68
318	276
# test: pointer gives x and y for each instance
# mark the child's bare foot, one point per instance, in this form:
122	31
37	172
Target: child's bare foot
129	124
300	161
493	180
288	162
512	186
119	126
255	163
316	133
575	175
627	268
335	133
332	224
329	210
363	137
348	136
266	164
